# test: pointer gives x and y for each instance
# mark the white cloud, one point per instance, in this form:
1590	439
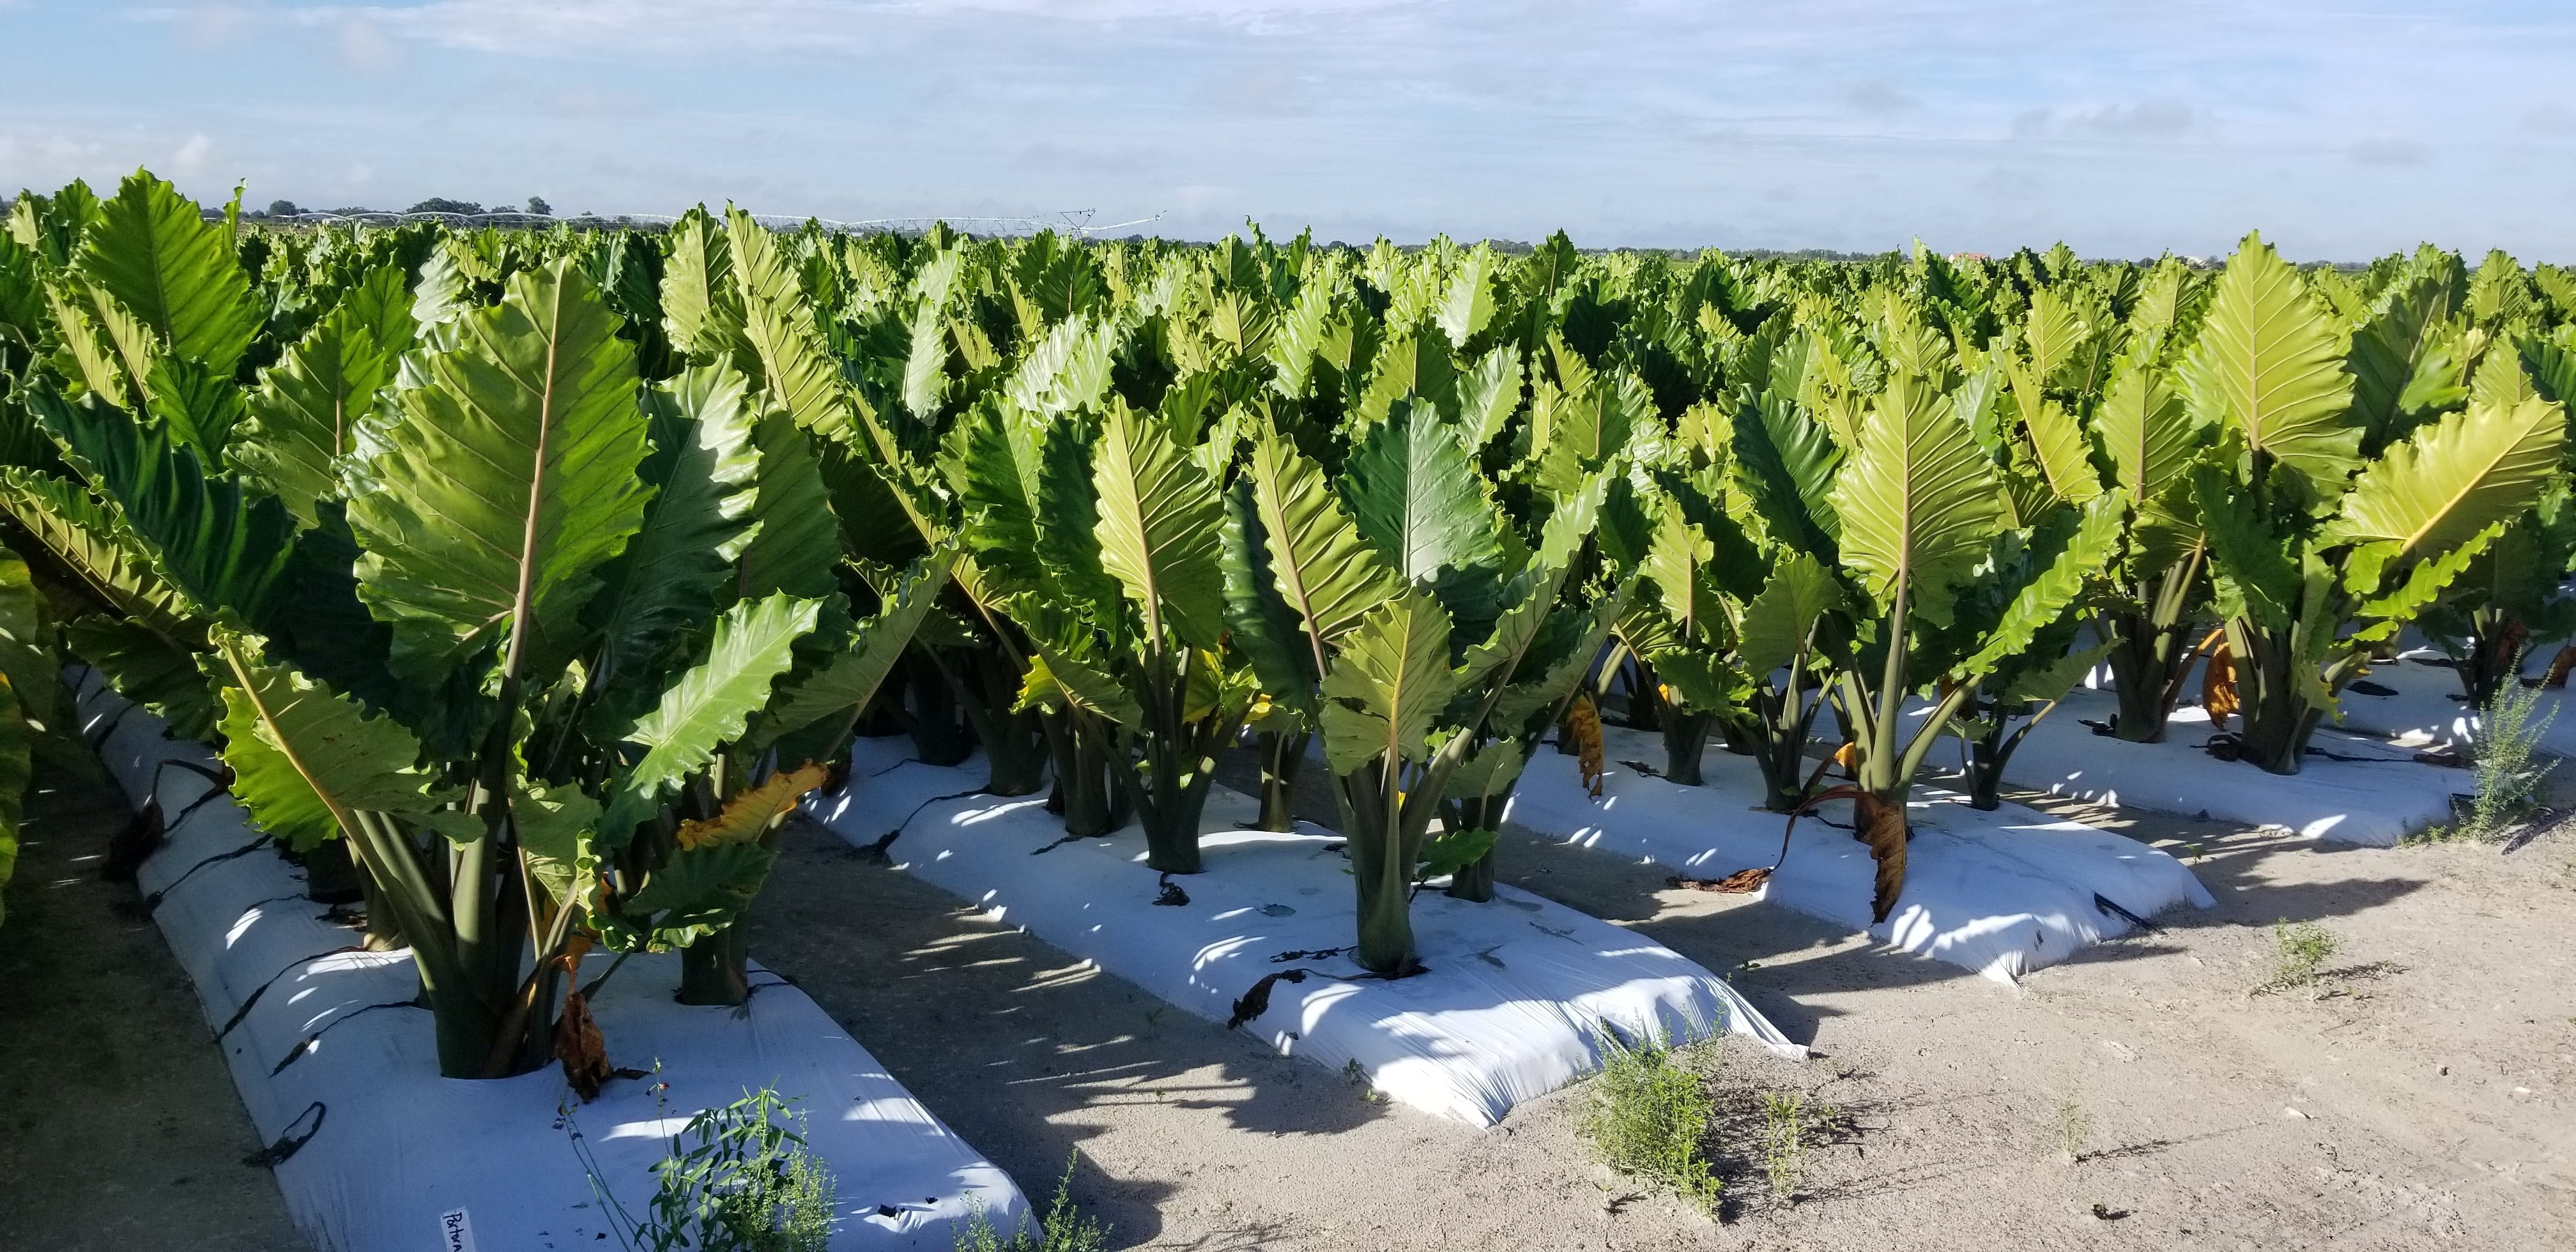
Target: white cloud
191	156
1978	124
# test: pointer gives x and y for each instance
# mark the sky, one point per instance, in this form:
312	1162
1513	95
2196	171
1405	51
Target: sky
2340	128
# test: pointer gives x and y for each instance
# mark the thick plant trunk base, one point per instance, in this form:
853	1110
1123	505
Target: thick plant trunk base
1685	739
2142	711
1017	768
1386	919
715	969
1475	882
1281	757
1172	832
384	931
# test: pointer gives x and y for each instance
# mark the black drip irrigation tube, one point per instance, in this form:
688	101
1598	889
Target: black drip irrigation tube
290	1143
252	1000
305	1044
153	901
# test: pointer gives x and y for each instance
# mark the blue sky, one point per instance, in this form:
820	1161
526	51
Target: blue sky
2341	128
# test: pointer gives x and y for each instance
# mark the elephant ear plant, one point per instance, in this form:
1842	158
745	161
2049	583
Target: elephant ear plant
1920	505
471	623
2321	553
1413	718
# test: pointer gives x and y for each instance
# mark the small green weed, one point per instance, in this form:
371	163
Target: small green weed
2506	766
738	1179
1789	1121
1649	1117
1062	1229
2073	1126
2299	951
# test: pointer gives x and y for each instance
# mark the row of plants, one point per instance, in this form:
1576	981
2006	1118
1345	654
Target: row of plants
544	571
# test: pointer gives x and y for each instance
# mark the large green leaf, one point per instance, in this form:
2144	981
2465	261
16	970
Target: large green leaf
1159	517
1789	462
1920	500
667	584
1263	629
2065	452
798	543
1417	498
850	679
221	546
1467	304
1067	371
27	659
1778	624
2476	468
992	468
508	482
157	255
306	759
708	705
2256	570
2145	427
2410	318
701	308
778	321
304	415
196	405
92	544
2046	599
1058	681
2268	366
1676	563
1327	574
86	358
1489	393
1388	682
148	668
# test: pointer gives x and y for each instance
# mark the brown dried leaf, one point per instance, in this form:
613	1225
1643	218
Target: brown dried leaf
581	1049
2558	667
1881	825
1584	723
2218	683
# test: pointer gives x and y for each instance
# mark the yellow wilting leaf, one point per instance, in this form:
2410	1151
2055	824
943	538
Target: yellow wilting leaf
2218	681
748	815
1584	722
1847	759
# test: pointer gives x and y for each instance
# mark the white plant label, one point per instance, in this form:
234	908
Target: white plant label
456	1231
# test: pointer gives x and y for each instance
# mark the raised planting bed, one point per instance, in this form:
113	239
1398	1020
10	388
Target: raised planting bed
2001	893
2353	787
2415	701
374	1150
1514	1004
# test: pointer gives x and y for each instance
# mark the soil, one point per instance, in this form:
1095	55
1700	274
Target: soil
119	1127
2158	1092
2154	1093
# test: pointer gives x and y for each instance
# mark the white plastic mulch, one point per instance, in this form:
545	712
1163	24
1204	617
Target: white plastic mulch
2353	787
1518	994
332	1060
2001	893
2417	704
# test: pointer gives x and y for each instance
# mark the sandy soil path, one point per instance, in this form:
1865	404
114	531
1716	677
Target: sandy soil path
119	1128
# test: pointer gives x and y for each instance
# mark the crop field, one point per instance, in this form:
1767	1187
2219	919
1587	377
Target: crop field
1557	729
